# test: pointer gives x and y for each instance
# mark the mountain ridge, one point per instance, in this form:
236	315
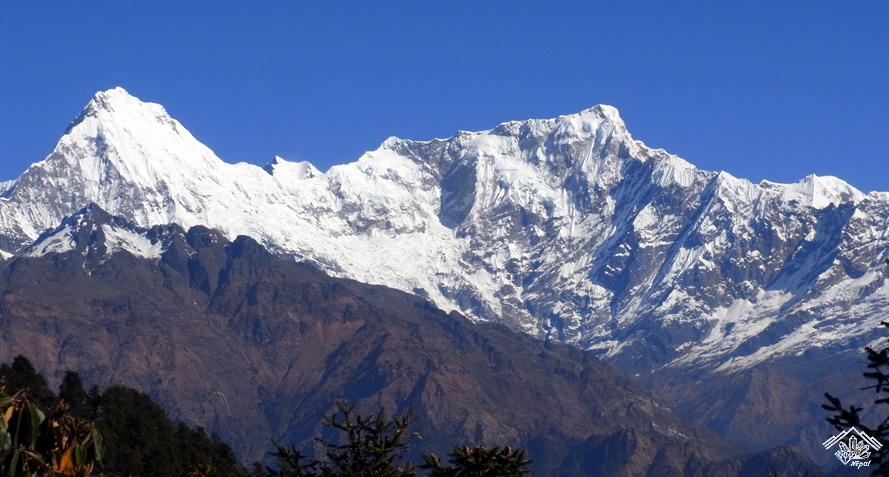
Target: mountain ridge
568	178
295	340
390	194
567	229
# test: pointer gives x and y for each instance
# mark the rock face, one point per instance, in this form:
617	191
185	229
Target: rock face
256	347
567	229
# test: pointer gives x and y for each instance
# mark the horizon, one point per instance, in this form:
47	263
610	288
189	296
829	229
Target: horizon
759	91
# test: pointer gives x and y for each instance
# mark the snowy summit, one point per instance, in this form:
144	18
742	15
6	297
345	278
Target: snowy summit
565	228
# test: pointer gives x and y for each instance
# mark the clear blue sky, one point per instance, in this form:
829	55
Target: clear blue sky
761	89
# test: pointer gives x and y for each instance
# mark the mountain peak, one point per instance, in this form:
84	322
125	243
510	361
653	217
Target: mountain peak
817	191
595	117
118	127
604	110
105	99
116	102
287	171
121	152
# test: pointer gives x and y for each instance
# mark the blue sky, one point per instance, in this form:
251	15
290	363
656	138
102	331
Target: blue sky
761	89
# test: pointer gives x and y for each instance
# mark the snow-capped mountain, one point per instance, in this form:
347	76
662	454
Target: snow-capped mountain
565	228
254	347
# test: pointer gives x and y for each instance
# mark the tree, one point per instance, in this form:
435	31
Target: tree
71	391
142	440
371	447
374	444
138	436
289	463
480	461
21	375
205	455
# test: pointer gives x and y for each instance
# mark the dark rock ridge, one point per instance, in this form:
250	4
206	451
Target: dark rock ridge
256	347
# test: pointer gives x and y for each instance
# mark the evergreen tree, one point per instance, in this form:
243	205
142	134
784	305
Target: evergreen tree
21	376
93	403
373	444
205	455
480	461
288	463
141	439
371	447
139	436
72	393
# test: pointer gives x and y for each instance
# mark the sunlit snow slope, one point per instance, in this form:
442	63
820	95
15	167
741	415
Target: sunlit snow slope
564	228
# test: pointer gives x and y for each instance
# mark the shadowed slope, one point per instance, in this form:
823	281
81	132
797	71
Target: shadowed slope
255	347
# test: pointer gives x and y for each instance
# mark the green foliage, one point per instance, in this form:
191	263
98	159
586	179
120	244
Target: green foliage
21	375
142	440
372	446
93	402
139	438
480	461
205	455
72	393
128	434
288	463
36	443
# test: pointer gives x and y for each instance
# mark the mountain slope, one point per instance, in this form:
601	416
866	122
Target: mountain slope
567	229
256	347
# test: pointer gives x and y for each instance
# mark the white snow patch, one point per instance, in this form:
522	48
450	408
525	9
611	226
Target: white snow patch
288	173
59	242
817	192
117	239
735	324
674	170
